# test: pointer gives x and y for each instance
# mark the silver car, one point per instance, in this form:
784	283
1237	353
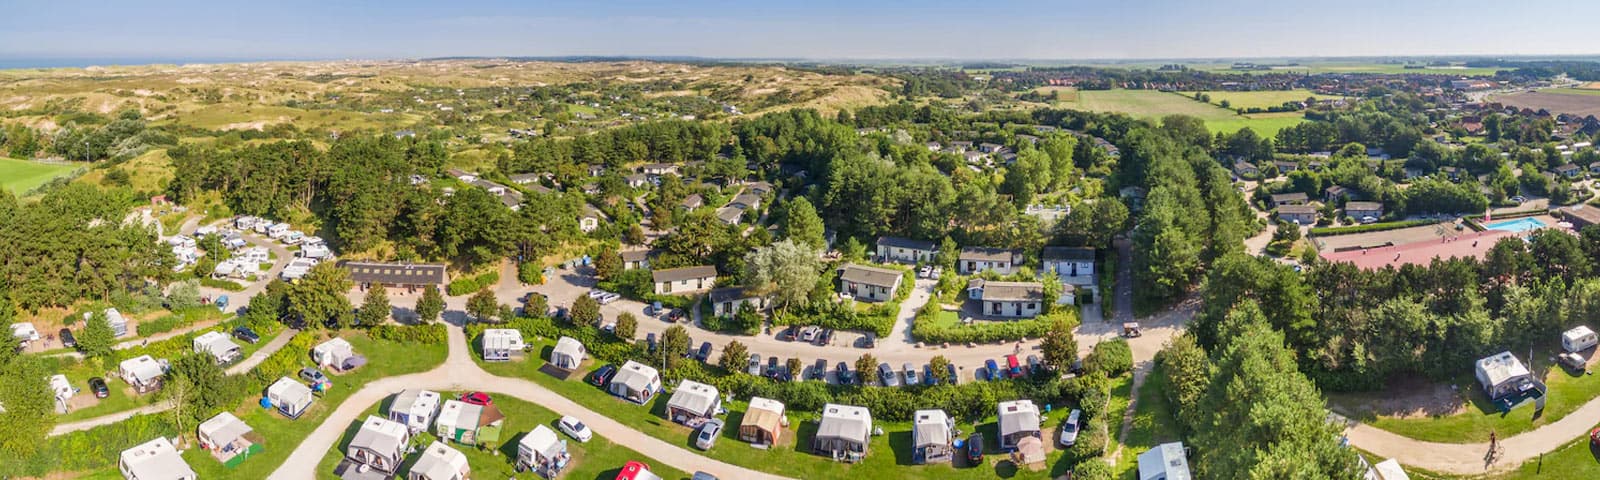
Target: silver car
708	435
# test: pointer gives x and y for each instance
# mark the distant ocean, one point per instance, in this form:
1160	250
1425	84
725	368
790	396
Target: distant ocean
79	62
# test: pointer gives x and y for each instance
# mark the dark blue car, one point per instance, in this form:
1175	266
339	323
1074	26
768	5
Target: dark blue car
991	369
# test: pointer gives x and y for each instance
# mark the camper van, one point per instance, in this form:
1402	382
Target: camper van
1578	339
293	237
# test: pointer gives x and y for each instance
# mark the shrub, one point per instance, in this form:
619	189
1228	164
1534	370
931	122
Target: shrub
1092	440
462	286
928	329
1110	358
488	279
93	449
878	319
428	334
1091	469
1371	227
159	325
220	284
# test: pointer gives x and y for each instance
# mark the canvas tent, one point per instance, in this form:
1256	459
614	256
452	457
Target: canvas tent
763	421
542	452
568	354
336	354
289	397
693	403
379	444
636	382
1502	375
458	421
843	432
502	344
930	437
440	462
225	436
1030	450
154	460
1165	462
1019	419
218	345
62	388
415	409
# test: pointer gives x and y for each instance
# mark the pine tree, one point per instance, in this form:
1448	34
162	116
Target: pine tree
430	306
374	308
97	338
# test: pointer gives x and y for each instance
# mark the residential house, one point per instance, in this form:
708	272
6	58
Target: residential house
590	219
637	180
1018	419
905	250
637	259
1168	461
1075	265
597	170
1503	375
1594	167
1362	210
1245	169
440	462
730	215
1453	173
675	281
1285	167
289	397
462	175
541	451
692	202
960	146
379	444
933	146
1008	299
385	274
219	345
1569	171
977	259
226	437
728	300
415	409
692	403
759	188
1294	198
990	147
143	373
658	169
1334	193
746	201
636	382
763	421
843	432
1298	214
154	460
568	353
931	437
502	344
869	283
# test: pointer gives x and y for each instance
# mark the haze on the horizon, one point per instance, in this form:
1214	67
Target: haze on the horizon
820	29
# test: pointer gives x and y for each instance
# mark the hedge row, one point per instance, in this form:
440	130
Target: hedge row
1371	227
927	329
469	285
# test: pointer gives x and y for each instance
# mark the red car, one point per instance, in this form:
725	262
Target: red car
477	398
636	471
1013	367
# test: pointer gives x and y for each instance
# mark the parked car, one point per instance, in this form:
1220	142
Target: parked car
98	386
704	354
1069	428
772	366
911	374
477	398
991	370
67	340
650	342
676	315
928	378
703	476
925	272
842	370
809	333
608	298
869	341
312	375
826	337
1013	367
575	428
597	293
653	309
975	448
708	434
820	370
955	378
1572	360
602	376
789	334
1033	364
246	334
887	376
754	367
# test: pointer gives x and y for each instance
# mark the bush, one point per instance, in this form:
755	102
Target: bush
1371	227
1092	440
220	284
429	334
1091	469
461	286
1110	358
637	284
487	279
928	329
878	319
159	325
93	449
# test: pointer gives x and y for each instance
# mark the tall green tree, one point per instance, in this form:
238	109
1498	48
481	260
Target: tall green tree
787	270
199	388
674	345
97	338
733	356
802	225
483	306
1059	347
29	413
320	296
431	305
374	307
627	324
585	311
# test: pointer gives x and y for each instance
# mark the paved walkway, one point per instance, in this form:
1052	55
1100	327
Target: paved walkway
1470	458
460	373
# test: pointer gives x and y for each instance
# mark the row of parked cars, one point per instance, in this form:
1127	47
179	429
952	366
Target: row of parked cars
810	334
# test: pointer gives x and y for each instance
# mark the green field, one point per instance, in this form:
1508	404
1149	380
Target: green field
19	176
1152	104
1261	99
1154	423
598	459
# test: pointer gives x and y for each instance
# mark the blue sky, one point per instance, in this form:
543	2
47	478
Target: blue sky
823	29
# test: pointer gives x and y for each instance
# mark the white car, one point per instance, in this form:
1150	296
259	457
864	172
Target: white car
575	428
1069	428
608	298
597	293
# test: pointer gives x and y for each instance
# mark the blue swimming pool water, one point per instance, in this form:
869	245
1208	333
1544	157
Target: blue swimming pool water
1516	225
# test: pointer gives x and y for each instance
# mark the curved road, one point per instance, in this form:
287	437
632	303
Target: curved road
1472	458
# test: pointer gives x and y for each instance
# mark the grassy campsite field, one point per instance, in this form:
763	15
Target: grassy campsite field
1151	104
19	176
1261	99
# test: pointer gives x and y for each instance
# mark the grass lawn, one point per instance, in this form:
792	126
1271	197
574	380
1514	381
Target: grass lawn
1567	392
19	176
889	456
1261	99
122	396
1066	94
1153	424
280	435
1152	105
599	459
147	172
1573	461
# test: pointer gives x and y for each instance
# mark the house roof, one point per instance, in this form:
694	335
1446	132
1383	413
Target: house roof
759	188
845	421
502	339
440	462
683	273
1165	462
1297	209
413	399
637	255
1018	416
1363	206
156	460
987	254
524	177
223	428
396	273
763	413
728	294
862	274
636	376
694	397
747	200
729	214
692	201
1013	291
380	435
1501	367
1289	197
1068	253
901	242
930	427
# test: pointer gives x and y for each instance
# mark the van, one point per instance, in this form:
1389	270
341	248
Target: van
1069	428
1578	339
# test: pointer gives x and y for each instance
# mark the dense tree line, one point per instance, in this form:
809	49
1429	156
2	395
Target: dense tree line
74	244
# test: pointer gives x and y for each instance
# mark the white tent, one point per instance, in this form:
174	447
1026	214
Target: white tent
218	345
440	462
635	381
843	432
290	397
415	409
24	331
224	434
693	401
931	436
142	372
154	460
502	344
332	353
62	387
568	354
1502	374
542	451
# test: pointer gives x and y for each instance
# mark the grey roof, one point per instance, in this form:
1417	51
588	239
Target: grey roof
692	201
729	214
846	422
1013	291
987	254
636	178
1289	197
524	177
931	427
636	376
156	460
637	255
1363	206
748	200
1018	416
1297	209
224	428
759	188
906	243
694	397
1068	253
1165	462
439	462
728	294
396	273
684	273
380	435
862	274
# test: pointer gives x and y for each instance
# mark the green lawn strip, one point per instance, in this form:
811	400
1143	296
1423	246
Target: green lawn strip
597	459
889	456
280	435
1567	392
1576	460
20	176
1153	424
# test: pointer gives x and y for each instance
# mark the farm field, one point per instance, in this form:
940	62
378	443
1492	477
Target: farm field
1261	99
1570	101
19	176
1151	104
1354	67
1067	94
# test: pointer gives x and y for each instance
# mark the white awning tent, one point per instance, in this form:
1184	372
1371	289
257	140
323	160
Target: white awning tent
143	372
1502	374
219	345
692	400
221	430
440	462
568	354
290	397
332	353
155	460
502	344
415	409
62	387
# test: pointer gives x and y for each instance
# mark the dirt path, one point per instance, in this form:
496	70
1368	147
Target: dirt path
1469	458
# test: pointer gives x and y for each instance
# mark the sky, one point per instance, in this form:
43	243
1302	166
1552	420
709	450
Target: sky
816	29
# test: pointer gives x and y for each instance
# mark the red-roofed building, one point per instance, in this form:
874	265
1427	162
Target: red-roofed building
1474	245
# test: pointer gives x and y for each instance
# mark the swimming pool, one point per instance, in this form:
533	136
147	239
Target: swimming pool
1516	225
